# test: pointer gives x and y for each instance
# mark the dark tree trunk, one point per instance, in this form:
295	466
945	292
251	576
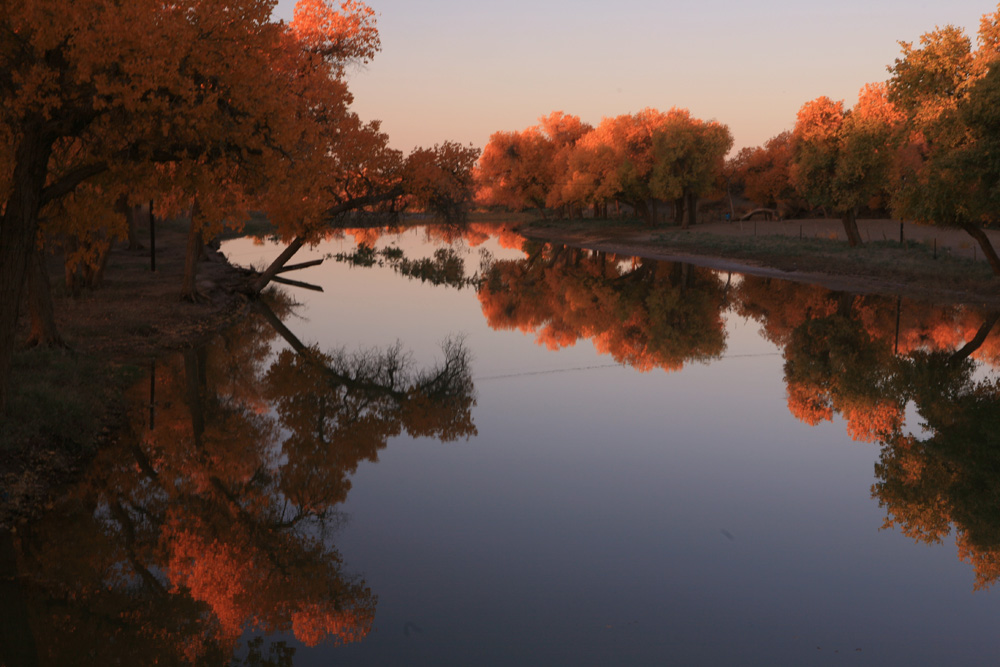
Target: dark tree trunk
192	255
44	332
850	220
278	263
977	341
984	242
845	304
642	210
17	237
690	210
679	211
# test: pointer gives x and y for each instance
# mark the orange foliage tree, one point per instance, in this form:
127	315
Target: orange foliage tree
764	172
208	107
949	95
843	159
520	170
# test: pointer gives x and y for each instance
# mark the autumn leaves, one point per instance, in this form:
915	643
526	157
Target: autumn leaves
207	108
635	159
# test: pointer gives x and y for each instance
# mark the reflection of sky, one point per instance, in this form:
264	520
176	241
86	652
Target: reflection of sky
604	516
461	70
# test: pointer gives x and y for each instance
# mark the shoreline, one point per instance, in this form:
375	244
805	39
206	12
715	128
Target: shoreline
71	400
930	266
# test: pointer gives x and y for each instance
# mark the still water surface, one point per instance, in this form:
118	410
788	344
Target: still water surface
574	459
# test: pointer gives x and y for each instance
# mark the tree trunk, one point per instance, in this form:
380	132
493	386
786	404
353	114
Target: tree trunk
977	341
44	332
850	220
642	210
984	242
17	237
192	255
690	209
732	206
276	265
679	211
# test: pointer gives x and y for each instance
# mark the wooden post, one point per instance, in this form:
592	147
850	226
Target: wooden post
901	232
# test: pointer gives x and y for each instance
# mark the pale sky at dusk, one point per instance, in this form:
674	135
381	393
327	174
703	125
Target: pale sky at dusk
461	70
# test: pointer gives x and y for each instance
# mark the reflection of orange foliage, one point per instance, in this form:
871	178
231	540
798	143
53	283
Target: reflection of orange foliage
213	572
867	422
808	405
319	622
985	562
644	314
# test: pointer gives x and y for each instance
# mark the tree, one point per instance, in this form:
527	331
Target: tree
522	169
689	155
946	92
202	105
765	173
100	85
515	170
842	159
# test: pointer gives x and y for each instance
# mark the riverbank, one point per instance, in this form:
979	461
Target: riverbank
67	403
931	263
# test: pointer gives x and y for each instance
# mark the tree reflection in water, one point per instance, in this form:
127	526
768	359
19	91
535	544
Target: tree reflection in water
645	314
218	521
868	358
862	358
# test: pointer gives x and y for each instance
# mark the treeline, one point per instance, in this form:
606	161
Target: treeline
203	107
922	146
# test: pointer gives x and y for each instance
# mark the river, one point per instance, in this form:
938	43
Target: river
474	449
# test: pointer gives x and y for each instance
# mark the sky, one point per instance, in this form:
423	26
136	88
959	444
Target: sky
459	70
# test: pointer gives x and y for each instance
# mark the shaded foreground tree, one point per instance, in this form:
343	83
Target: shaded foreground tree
109	104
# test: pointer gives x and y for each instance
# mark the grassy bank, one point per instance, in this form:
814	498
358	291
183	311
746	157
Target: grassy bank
933	263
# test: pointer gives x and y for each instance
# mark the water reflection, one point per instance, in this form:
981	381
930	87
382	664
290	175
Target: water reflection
219	520
644	313
864	358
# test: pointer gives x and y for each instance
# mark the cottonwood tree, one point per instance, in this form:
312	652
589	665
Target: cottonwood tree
218	107
521	170
689	156
944	88
96	84
841	160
